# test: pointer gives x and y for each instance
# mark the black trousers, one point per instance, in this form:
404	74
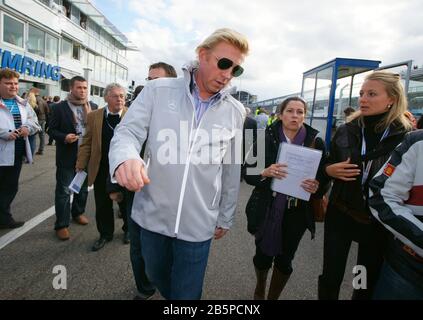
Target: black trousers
104	214
9	182
340	230
294	224
144	286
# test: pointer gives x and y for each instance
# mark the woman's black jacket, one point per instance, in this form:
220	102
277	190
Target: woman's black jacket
272	143
345	144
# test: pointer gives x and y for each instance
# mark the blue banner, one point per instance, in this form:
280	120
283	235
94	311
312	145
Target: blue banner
27	65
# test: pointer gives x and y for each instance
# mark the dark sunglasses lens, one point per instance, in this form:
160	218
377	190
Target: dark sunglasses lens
237	71
224	63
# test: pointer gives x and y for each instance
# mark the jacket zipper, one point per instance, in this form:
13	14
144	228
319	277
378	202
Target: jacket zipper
217	190
186	170
185	178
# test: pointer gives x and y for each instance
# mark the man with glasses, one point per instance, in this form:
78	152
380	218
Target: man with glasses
144	286
190	186
93	155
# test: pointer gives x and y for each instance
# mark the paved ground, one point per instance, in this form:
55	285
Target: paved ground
26	264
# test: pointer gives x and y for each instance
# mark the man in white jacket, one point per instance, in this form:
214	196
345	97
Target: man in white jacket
189	194
397	203
17	121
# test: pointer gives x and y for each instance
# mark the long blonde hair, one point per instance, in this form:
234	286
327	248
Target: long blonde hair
32	100
394	89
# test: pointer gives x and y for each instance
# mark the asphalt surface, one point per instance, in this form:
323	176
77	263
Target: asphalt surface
27	263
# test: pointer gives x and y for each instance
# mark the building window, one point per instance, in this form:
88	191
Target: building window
13	31
76	51
97	91
71	49
36	41
83	22
65	85
67	6
46	2
67	48
90	60
75	15
52	45
93	28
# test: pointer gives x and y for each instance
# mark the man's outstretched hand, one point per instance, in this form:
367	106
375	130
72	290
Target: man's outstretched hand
132	175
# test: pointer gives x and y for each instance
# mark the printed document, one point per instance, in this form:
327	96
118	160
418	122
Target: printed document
302	163
77	182
28	153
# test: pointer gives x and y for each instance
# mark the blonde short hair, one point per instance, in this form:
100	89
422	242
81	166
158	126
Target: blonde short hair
225	35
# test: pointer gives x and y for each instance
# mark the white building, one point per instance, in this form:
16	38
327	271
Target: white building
50	41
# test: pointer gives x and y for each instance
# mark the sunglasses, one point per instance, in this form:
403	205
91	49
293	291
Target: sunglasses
225	64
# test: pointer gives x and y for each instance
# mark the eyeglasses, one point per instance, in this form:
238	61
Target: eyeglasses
151	78
225	64
117	96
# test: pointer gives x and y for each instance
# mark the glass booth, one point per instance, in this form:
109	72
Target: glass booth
334	86
329	89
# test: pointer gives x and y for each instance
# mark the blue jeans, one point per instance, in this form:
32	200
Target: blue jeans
175	266
144	286
392	286
33	143
64	177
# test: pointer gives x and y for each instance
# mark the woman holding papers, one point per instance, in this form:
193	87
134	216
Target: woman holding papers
286	218
358	150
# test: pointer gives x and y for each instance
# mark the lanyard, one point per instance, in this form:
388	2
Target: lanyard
367	167
107	121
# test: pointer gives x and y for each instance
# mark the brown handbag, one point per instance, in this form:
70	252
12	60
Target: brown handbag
319	206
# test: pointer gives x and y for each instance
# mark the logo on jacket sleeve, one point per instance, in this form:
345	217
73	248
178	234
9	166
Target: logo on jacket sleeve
389	170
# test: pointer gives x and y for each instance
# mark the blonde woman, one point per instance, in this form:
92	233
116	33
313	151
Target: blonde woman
358	150
32	101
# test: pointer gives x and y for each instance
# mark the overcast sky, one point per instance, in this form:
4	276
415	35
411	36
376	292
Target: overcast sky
286	37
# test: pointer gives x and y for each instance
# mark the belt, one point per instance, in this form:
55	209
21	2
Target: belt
412	253
359	216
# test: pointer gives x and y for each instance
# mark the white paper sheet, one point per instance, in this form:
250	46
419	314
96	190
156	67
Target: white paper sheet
302	164
77	181
28	151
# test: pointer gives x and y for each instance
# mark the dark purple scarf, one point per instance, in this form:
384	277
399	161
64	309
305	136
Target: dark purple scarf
269	236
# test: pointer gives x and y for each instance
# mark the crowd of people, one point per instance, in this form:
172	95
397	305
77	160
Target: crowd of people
175	202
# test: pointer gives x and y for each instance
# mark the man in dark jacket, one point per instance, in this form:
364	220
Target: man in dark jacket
249	138
55	101
67	127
